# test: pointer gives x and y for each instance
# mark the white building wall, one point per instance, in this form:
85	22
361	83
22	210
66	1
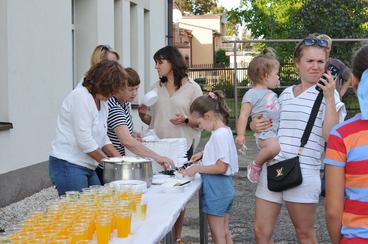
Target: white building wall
38	67
38	75
94	25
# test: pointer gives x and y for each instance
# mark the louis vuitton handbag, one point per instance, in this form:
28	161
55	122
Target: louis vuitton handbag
287	174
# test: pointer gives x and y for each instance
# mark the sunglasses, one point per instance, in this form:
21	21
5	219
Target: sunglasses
315	42
105	47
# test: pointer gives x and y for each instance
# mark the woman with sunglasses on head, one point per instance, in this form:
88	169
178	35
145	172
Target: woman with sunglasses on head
346	166
81	140
104	52
296	104
169	115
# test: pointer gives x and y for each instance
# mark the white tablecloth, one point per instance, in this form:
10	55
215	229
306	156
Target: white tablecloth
162	212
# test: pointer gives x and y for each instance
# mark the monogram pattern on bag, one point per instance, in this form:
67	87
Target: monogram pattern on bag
279	172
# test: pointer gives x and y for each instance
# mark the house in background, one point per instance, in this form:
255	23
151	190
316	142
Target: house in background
182	39
45	49
206	36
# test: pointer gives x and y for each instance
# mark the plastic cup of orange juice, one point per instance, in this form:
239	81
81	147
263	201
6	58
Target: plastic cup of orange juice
141	211
103	226
123	223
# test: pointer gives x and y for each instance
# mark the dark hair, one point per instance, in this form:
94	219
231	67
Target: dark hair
105	78
214	101
298	52
174	57
133	77
262	65
360	61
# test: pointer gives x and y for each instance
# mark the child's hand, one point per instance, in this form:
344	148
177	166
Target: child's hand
191	170
240	139
196	157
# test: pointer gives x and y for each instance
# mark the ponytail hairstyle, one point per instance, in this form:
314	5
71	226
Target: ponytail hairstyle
214	101
262	65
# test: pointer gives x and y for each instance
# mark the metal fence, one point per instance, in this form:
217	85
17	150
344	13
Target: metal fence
211	77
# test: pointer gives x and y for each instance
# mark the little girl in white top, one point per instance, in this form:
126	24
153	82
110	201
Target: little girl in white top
260	101
219	163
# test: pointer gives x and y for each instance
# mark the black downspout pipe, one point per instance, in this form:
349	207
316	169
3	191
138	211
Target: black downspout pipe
170	22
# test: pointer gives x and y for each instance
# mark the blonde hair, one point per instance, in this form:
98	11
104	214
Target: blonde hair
329	41
262	65
298	52
100	53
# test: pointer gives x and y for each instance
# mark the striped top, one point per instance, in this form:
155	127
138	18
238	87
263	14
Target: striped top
294	115
119	114
347	147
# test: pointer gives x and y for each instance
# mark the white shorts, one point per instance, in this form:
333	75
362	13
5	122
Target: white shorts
307	192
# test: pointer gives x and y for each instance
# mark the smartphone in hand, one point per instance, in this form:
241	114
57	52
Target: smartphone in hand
334	72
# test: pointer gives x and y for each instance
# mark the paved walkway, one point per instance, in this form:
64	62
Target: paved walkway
242	215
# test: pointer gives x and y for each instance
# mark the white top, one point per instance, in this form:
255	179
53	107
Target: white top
221	146
166	108
80	129
294	115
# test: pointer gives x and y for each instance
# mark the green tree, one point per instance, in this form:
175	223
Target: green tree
336	18
198	7
221	58
283	19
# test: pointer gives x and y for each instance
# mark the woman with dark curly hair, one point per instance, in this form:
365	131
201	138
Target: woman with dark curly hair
81	133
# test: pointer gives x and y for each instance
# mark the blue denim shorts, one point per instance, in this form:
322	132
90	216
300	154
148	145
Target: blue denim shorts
70	177
217	194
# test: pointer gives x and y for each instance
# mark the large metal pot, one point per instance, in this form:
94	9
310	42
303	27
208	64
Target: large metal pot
127	168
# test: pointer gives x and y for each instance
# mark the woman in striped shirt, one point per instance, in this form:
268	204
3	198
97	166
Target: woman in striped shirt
296	104
120	123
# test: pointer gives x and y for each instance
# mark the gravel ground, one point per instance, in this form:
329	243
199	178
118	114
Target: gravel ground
242	215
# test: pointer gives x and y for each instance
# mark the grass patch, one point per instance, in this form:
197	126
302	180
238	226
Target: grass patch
231	105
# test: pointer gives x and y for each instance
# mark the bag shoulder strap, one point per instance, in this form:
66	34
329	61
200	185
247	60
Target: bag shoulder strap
311	120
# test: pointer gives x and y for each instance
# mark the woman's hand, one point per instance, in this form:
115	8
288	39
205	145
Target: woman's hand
143	112
329	85
260	124
196	157
143	109
165	162
178	119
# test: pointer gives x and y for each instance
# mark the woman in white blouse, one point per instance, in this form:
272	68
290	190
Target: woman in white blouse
81	133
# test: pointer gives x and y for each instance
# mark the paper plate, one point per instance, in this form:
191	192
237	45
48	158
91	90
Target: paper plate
150	98
161	179
141	185
169	187
180	176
